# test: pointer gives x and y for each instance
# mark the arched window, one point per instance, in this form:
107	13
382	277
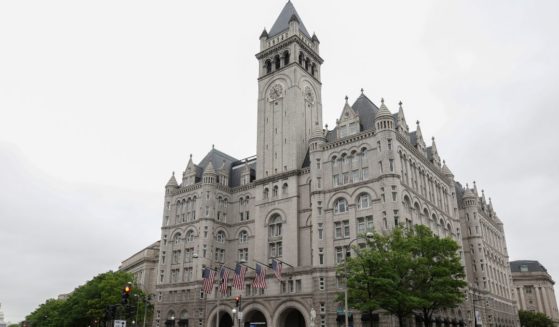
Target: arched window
275	191
190	236
177	238
301	58
274	227
340	205
307	63
266	191
268	66
364	201
243	236
220	237
313	68
284	188
277	62
286	58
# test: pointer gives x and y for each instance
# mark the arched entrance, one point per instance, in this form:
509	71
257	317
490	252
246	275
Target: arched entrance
225	320
291	317
254	318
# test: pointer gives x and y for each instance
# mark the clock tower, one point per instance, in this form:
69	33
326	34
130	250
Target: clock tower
289	94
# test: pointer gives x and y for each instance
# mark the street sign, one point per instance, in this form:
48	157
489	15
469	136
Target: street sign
120	323
239	315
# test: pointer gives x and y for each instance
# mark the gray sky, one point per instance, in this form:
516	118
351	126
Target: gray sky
100	101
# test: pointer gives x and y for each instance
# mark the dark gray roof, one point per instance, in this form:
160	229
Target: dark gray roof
282	23
429	153
532	265
237	169
366	110
217	158
307	160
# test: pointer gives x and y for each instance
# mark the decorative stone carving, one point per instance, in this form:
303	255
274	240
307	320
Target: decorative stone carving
276	92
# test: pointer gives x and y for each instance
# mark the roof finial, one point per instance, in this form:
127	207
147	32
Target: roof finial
444	162
346	98
173	173
362	90
382	100
191	156
417	122
213	146
326	126
433	138
400	104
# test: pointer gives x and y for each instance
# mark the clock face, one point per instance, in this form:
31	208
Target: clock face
308	94
276	91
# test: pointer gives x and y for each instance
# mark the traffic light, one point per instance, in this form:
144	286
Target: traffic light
238	301
126	293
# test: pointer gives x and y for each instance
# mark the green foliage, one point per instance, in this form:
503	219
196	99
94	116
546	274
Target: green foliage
534	319
88	303
405	271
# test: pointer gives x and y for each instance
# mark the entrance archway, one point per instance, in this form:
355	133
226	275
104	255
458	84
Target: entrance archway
225	320
291	317
254	318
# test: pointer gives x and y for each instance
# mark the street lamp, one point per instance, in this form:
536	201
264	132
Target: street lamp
368	236
234	312
474	300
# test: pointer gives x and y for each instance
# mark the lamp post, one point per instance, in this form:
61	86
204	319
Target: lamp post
234	312
368	236
474	300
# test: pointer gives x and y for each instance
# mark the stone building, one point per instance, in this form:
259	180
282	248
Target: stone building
307	194
486	259
534	288
143	266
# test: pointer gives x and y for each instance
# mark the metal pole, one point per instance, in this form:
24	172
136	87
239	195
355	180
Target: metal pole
217	314
137	309
345	295
145	311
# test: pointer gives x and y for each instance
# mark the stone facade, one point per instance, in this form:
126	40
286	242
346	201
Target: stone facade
306	195
534	288
143	266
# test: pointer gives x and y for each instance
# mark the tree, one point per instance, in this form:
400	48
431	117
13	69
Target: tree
438	276
534	319
88	304
404	271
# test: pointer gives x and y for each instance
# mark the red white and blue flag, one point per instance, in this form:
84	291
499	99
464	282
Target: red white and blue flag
276	267
260	279
223	276
208	275
239	278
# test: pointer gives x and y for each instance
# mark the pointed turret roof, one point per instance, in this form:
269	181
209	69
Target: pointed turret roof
446	170
282	22
209	169
172	181
383	111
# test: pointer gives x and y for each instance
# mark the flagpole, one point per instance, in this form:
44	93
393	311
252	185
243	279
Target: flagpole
284	262
249	267
218	298
263	264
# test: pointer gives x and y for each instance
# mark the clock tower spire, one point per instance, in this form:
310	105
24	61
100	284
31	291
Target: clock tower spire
289	94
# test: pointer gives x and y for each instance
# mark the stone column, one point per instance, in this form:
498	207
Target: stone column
520	296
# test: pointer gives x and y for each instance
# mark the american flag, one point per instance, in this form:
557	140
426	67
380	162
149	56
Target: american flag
276	267
223	276
260	279
208	275
239	278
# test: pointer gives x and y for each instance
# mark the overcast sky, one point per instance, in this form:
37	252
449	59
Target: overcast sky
101	100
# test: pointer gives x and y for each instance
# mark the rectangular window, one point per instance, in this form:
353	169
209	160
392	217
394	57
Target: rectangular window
396	218
243	254
321	256
335	179
321	283
346	228
381	170
298	286
339	254
275	249
347	178
391	164
389	144
379	146
338	230
365	173
320	231
355	175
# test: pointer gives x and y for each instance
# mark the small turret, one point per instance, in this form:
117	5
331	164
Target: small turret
209	175
447	172
383	119
403	128
469	198
171	184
